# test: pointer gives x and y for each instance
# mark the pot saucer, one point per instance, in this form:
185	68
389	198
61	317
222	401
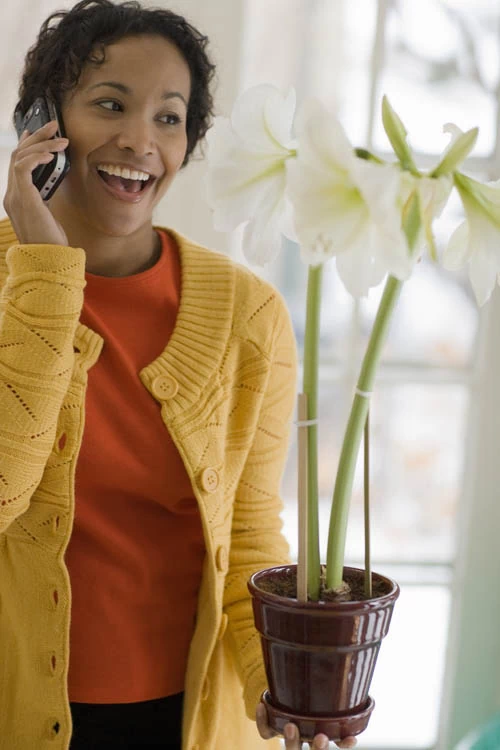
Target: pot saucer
338	727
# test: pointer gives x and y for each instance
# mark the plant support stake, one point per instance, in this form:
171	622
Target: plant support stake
368	565
302	425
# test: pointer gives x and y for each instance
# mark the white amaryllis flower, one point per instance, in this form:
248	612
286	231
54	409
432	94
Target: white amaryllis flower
477	240
246	177
435	188
345	206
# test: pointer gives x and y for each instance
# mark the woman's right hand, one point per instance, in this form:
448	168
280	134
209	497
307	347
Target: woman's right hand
292	738
31	217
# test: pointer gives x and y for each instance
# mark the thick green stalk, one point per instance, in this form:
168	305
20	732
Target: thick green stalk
352	437
357	418
310	387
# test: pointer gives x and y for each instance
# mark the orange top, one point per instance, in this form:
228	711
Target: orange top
136	552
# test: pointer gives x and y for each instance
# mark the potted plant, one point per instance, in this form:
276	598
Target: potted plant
322	625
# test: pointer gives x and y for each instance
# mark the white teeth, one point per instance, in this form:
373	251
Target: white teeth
127	174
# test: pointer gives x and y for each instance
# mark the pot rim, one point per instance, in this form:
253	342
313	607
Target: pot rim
343	606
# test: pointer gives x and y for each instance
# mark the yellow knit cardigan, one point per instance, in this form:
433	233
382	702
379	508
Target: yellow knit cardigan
226	383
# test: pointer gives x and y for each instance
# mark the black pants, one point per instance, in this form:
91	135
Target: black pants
127	726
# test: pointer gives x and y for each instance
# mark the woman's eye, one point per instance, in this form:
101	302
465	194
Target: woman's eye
111	106
170	119
112	103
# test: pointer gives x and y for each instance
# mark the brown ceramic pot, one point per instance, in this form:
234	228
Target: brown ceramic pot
319	656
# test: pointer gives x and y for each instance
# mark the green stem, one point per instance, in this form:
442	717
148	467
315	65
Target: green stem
357	418
310	387
353	434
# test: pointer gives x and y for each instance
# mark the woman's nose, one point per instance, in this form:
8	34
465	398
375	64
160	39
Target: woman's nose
136	136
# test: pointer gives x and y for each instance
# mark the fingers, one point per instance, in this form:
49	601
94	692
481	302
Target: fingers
33	152
40	141
291	733
292	738
23	168
49	144
41	134
41	149
263	727
348	742
293	741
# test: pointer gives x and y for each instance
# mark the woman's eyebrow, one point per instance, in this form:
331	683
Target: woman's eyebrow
127	90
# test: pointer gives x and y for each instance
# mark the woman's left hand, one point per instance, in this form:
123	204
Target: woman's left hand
320	742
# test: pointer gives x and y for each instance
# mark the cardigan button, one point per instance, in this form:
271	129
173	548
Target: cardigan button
221	559
53	728
209	480
164	386
222	627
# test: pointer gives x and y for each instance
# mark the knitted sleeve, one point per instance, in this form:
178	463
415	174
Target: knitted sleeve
40	305
257	541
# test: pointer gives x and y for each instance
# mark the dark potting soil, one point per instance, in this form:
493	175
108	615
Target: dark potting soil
353	590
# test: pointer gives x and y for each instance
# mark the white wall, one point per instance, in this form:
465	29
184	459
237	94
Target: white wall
184	207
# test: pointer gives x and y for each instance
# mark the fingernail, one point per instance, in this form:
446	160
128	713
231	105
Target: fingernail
323	743
290	732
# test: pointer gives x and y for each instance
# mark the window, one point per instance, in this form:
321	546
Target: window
437	61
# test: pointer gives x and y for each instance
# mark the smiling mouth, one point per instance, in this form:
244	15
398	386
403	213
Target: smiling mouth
122	184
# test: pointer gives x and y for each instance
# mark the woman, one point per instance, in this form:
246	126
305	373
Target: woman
147	386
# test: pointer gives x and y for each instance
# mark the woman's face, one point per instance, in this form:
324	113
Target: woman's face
128	112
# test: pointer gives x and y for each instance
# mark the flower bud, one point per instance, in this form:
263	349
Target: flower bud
396	132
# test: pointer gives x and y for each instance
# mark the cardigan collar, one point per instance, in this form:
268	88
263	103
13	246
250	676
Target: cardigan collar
201	333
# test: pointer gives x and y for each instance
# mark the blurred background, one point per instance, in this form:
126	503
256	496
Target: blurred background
435	412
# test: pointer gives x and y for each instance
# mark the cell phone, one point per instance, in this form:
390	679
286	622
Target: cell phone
46	177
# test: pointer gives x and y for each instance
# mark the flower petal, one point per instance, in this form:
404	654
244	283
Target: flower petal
358	268
455	133
390	249
262	238
322	142
279	113
247	160
434	194
233	204
323	206
256	111
457	252
483	270
379	185
288	221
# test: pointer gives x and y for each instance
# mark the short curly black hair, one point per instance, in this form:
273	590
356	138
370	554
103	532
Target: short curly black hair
69	39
